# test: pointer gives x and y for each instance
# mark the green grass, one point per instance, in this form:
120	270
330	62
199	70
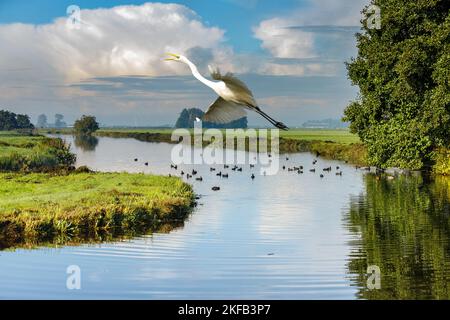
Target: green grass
17	140
42	197
20	152
40	207
333	135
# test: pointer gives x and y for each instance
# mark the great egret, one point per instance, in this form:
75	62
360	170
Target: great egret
234	96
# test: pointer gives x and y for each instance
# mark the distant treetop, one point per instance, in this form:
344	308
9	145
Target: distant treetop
188	117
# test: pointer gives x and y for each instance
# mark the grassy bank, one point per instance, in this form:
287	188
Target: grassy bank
43	207
44	199
354	153
26	153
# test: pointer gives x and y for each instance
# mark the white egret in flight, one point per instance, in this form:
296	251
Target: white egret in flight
234	96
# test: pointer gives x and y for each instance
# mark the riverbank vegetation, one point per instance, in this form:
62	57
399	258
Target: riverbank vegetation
43	198
336	144
31	153
42	207
332	144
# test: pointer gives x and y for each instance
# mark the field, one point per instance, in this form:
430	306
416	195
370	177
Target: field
13	142
334	135
27	153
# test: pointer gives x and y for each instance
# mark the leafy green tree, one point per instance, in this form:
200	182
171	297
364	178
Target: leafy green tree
23	122
8	120
86	125
11	121
402	70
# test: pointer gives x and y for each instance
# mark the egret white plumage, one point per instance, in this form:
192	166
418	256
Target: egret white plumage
234	96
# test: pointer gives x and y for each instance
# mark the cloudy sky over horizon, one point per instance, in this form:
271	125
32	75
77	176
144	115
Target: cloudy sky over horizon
291	54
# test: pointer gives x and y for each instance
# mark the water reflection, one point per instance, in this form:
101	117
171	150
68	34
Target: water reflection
402	226
274	237
86	142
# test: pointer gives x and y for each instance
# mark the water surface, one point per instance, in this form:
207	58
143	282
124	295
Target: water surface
287	236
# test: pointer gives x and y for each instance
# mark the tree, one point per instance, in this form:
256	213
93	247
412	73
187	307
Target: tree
183	119
86	125
11	121
23	122
188	117
42	121
59	123
402	70
8	120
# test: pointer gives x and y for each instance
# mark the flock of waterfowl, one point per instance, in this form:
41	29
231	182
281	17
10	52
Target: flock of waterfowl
223	173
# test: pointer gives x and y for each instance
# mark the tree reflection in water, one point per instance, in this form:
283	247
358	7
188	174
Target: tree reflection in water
402	226
86	142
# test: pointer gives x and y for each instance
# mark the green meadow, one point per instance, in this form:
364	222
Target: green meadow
33	153
334	135
42	207
43	196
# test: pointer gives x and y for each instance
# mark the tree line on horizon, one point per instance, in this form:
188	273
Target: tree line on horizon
59	122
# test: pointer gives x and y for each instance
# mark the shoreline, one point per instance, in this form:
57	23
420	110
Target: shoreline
354	153
351	152
75	206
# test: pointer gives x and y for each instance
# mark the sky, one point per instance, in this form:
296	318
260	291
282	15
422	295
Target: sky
110	64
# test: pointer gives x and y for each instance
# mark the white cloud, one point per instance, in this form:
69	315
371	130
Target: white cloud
40	63
282	42
110	42
284	38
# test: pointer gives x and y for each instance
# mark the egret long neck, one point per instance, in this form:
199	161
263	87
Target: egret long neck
200	78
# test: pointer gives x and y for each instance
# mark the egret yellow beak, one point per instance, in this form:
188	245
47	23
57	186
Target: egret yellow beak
175	57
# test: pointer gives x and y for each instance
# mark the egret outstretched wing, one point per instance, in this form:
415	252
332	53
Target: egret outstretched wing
242	94
221	111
